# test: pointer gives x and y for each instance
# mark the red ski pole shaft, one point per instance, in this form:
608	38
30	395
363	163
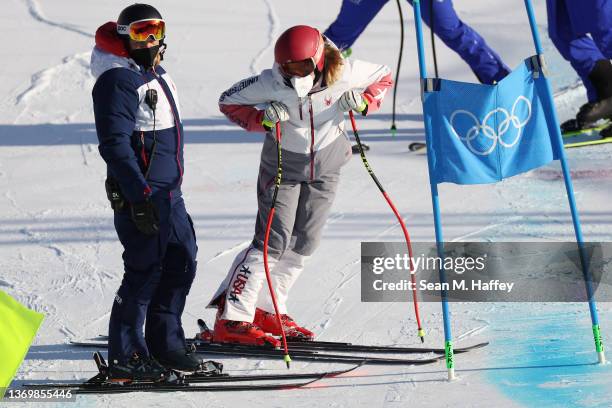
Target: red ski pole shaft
279	173
415	302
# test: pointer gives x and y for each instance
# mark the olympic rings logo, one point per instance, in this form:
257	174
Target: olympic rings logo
491	135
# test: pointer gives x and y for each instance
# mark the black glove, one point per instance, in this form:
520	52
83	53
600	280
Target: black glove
146	217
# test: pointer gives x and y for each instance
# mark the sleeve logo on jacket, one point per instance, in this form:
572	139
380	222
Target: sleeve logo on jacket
238	87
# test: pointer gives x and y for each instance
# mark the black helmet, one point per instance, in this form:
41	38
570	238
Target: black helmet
145	57
136	12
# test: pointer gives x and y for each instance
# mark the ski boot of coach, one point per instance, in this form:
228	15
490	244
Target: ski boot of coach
268	323
185	360
139	368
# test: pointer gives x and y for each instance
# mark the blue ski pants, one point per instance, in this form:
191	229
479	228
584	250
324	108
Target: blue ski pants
159	271
355	15
582	32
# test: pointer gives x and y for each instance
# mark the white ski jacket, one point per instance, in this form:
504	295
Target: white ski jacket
314	139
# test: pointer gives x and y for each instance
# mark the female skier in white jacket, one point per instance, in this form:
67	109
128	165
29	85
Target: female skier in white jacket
308	90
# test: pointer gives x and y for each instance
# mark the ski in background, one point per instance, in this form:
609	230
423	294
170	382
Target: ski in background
600	133
586	131
417	147
590	136
589	141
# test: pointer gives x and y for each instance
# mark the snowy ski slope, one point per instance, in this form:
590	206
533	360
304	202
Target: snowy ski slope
59	253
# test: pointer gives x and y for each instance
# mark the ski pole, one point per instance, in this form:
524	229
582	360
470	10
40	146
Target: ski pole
448	336
277	183
399	64
421	332
549	106
433	37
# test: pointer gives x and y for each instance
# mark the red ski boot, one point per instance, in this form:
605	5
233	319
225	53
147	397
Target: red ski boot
232	331
267	322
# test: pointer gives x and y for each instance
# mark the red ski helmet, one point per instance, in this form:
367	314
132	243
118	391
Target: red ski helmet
300	43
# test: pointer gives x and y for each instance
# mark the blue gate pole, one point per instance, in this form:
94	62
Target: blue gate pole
551	114
448	337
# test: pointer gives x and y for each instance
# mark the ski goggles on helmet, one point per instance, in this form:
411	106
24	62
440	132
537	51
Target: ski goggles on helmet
298	68
143	30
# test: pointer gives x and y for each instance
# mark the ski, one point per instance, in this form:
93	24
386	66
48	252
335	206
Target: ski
314	345
90	344
587	131
325	346
236	350
308	355
195	378
348	347
100	384
319	346
418	147
109	388
221	378
587	137
591	142
415	146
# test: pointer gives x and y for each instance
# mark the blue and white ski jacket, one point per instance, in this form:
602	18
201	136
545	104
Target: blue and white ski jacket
125	123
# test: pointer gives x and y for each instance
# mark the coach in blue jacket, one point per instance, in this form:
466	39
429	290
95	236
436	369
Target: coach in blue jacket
140	132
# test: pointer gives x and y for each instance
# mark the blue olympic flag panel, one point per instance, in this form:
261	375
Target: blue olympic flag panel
485	133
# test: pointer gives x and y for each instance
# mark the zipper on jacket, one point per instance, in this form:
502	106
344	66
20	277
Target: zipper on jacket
312	136
176	123
300	102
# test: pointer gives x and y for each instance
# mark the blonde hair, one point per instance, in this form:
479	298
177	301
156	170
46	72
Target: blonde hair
334	64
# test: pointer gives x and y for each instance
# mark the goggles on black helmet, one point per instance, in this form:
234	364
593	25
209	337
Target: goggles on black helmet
143	30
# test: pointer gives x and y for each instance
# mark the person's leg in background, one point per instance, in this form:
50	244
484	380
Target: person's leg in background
461	38
354	17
